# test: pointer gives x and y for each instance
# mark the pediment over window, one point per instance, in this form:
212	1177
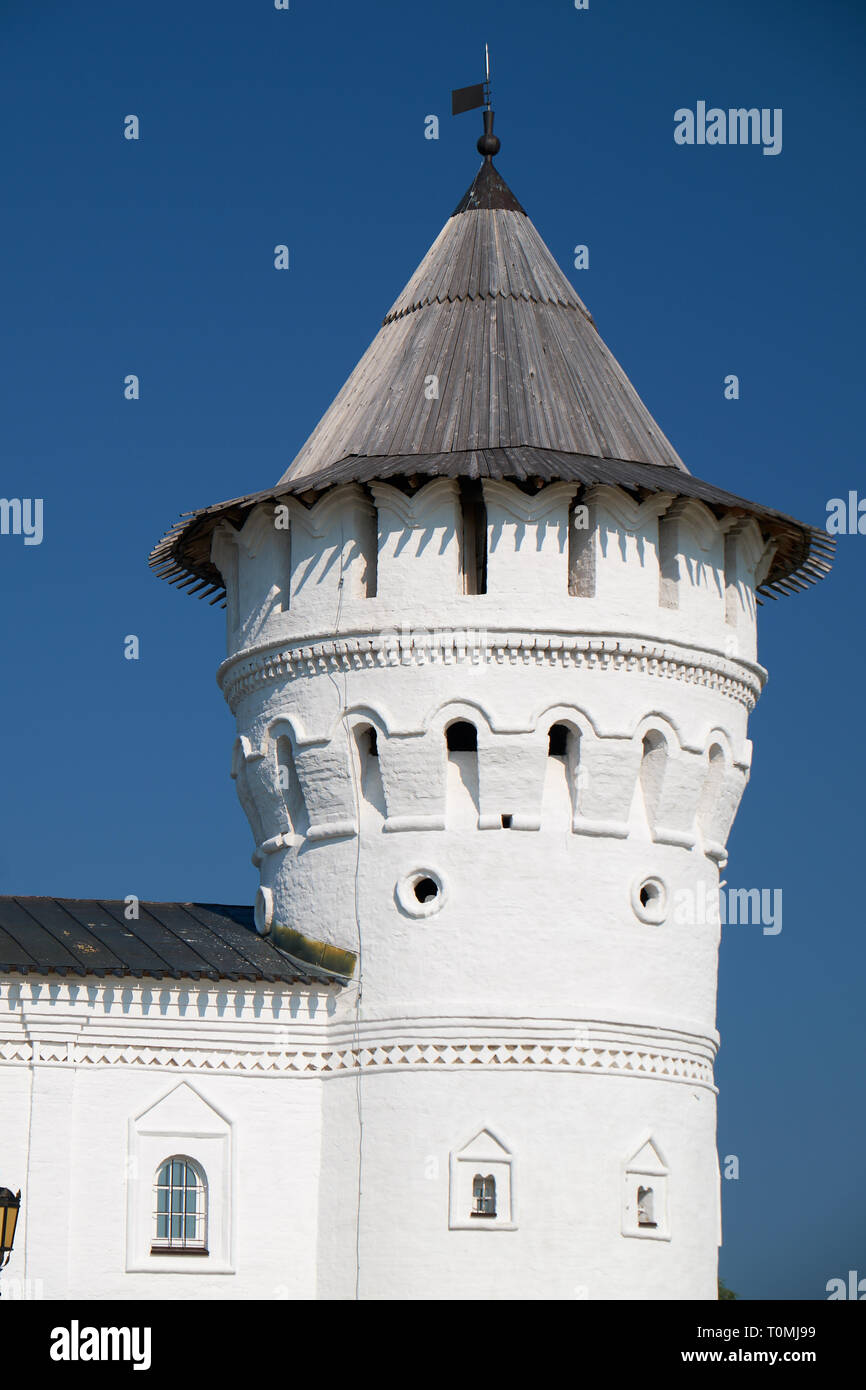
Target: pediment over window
648	1159
484	1145
182	1111
646	1195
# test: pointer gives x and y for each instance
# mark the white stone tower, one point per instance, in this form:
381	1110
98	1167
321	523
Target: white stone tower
491	651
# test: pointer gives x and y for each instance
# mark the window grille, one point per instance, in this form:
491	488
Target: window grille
180	1208
483	1195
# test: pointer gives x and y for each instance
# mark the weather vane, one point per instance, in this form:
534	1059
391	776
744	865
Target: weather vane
469	99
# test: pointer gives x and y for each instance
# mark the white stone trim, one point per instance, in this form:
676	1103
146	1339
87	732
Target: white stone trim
254	669
622	509
599	1057
413	510
396	824
697	516
319	519
220	1027
528	509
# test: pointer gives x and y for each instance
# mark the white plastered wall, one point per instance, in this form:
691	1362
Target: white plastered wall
534	997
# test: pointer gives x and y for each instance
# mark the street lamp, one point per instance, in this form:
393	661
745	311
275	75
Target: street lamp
10	1203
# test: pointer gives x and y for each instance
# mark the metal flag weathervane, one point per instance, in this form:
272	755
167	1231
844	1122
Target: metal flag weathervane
469	98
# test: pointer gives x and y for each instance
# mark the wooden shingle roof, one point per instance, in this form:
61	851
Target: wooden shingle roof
525	390
516	355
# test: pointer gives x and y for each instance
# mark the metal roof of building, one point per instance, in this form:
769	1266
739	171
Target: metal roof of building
82	936
527	390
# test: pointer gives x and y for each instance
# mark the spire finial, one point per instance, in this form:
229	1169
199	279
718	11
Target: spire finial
488	143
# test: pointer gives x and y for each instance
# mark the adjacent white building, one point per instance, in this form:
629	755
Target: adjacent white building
491	652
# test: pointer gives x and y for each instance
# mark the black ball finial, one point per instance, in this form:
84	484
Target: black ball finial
488	143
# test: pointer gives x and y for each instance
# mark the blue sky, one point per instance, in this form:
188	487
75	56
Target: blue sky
156	257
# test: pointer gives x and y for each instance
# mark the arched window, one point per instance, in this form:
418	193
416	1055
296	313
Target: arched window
645	1202
369	773
483	1195
179	1208
557	741
461	737
290	787
461	741
652	772
708	806
562	780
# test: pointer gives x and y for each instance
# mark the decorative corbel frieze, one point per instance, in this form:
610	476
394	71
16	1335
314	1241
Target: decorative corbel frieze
414	511
529	508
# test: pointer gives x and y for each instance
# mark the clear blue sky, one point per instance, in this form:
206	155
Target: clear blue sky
306	127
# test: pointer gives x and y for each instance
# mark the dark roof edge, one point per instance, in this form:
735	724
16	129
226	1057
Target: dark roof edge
266	962
803	556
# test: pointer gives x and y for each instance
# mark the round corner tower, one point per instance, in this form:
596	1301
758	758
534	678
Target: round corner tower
492	651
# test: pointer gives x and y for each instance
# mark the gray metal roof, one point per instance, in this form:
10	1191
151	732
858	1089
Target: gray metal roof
81	936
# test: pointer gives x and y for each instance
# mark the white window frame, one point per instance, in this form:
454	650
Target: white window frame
181	1124
647	1167
484	1155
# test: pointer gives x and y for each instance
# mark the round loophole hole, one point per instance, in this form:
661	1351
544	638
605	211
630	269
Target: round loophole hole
426	890
421	892
649	899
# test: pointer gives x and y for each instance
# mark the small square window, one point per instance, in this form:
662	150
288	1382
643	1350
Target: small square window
481	1193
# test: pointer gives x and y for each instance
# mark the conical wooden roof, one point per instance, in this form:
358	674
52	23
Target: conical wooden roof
526	390
516	357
